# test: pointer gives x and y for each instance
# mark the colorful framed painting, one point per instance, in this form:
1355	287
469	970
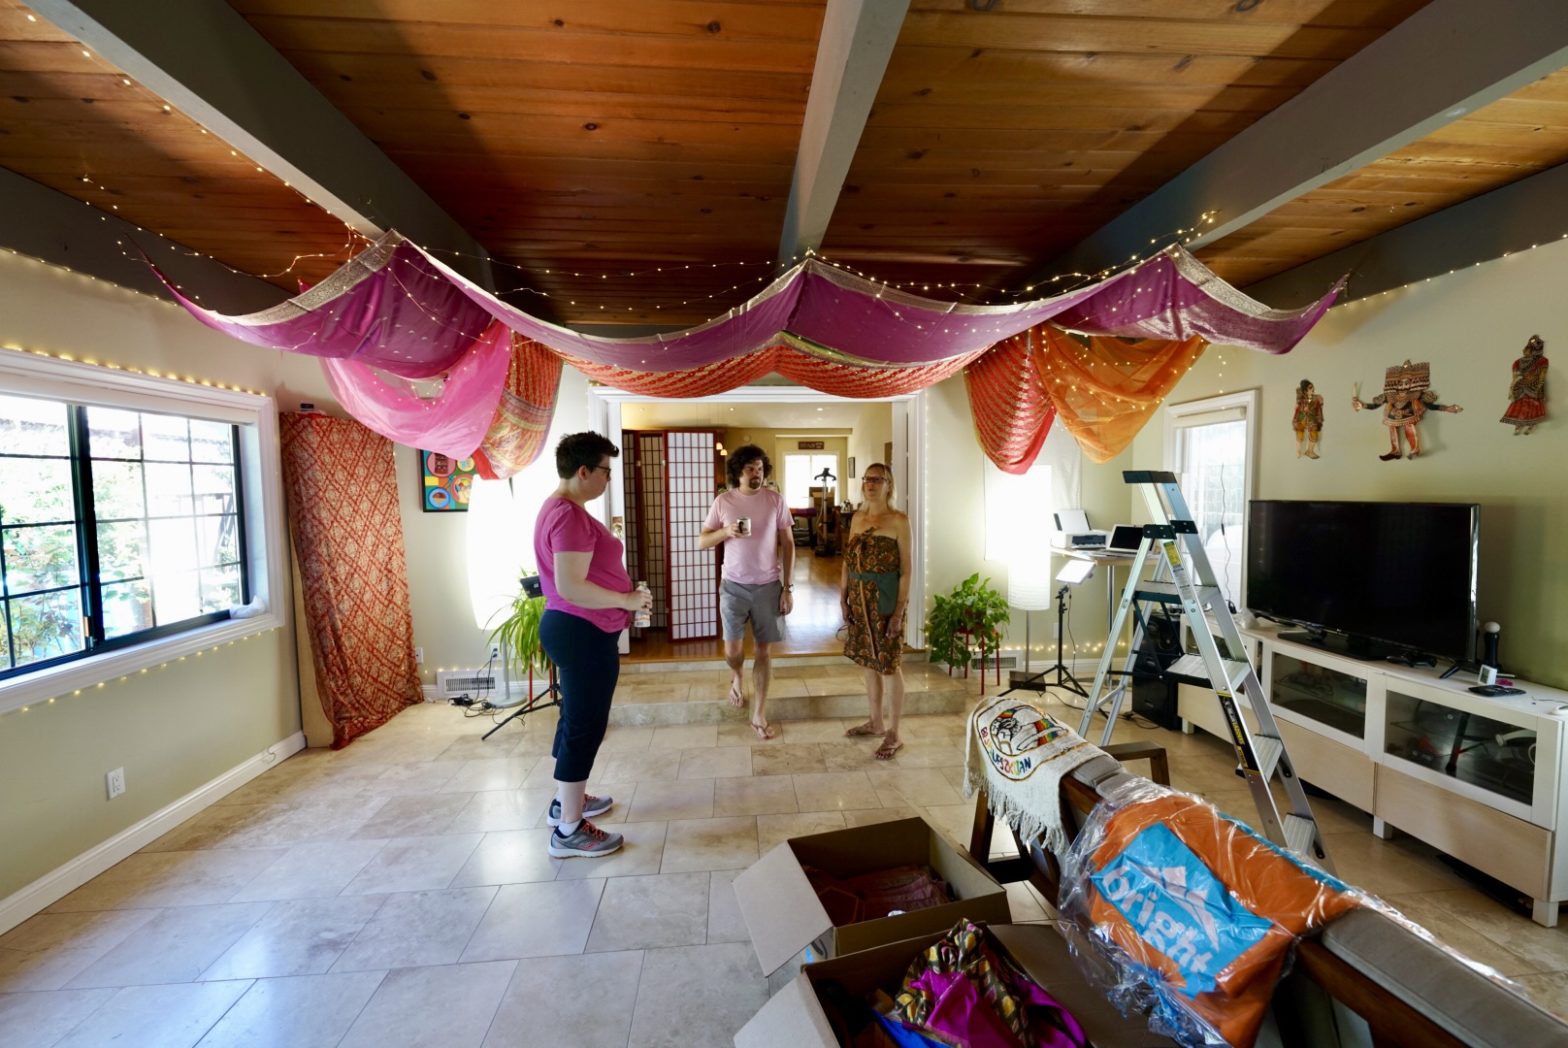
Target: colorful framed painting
447	482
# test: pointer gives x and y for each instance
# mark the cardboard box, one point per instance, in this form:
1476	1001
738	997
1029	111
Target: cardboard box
783	915
795	1017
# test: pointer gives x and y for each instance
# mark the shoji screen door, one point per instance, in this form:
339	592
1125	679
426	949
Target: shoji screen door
693	572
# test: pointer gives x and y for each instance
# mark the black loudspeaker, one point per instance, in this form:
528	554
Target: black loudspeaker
1154	693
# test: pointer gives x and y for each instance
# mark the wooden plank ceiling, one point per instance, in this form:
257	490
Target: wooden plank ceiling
600	148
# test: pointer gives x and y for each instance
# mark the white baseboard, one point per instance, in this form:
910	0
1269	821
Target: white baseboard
61	881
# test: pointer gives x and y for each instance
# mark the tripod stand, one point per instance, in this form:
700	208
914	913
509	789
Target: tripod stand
1064	676
552	691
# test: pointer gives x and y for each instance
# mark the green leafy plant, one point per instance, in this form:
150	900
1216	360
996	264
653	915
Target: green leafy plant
973	613
518	635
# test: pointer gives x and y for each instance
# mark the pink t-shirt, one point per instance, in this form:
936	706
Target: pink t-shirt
565	527
752	559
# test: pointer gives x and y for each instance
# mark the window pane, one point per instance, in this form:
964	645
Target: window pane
33	427
165	438
127	608
112	433
173	569
168	489
211	441
40	558
117	490
1213	480
122	550
46	626
220	588
217	540
214	487
35	491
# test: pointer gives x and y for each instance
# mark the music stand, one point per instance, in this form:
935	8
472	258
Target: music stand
1072	573
532	587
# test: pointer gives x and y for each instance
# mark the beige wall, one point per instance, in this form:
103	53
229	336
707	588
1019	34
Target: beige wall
173	729
1470	326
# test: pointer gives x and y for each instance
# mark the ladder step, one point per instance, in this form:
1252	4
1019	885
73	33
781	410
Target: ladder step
1267	749
1300	832
1193	667
1167	593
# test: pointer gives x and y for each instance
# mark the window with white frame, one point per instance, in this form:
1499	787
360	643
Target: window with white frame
800	473
1211	445
136	514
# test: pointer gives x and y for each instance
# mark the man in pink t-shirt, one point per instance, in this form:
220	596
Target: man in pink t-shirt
754	525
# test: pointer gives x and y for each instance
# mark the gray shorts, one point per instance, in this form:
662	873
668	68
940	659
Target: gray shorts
739	602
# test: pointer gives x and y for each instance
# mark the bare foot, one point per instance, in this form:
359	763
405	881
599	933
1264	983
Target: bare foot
737	699
890	746
765	731
864	729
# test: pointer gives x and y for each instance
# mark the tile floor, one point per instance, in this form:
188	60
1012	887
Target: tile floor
398	892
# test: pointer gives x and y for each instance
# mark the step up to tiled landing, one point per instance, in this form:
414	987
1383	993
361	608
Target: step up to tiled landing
699	695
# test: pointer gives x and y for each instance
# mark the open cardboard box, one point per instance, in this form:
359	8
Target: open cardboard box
783	915
797	1018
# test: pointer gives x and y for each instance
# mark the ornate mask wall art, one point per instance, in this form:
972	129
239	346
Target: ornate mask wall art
1406	398
1527	390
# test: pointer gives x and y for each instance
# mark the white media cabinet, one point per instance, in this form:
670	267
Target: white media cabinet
1482	779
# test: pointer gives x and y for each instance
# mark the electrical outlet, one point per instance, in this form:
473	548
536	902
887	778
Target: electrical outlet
495	651
115	781
419	656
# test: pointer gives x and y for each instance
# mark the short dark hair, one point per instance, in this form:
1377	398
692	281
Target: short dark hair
744	456
580	450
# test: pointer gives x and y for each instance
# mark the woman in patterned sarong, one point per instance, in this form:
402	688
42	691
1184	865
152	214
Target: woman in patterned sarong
873	592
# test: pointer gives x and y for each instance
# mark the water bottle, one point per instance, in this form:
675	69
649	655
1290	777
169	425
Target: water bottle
642	618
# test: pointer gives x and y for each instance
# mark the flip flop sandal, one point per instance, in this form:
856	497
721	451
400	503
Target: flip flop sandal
864	729
765	732
737	696
887	750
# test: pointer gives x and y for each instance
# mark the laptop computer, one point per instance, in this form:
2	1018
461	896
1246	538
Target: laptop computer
1124	540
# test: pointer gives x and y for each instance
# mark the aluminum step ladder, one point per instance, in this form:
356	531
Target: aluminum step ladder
1184	580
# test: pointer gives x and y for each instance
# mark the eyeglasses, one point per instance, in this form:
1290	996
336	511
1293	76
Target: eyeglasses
873	480
607	472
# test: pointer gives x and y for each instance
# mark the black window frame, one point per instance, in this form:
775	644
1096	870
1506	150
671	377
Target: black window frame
89	586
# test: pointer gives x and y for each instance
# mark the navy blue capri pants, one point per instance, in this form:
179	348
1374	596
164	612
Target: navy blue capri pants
588	663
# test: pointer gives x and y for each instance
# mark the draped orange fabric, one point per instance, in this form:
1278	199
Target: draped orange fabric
1105	389
522	417
1007	401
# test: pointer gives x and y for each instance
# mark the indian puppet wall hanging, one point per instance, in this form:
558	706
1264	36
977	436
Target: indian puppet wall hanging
1406	398
1308	419
1527	391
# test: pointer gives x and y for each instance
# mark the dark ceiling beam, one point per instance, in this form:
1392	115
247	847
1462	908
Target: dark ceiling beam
46	224
1514	218
205	60
852	55
1447	60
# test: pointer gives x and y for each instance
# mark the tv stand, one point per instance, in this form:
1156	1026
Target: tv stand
1358	648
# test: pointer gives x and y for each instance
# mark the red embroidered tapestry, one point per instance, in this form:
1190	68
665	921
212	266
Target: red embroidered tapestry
348	536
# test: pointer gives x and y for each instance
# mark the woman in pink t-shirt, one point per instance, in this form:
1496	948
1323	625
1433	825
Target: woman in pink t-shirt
589	599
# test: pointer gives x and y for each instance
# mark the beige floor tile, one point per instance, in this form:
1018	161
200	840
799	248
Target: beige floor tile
858	755
449	1006
653	691
166	1016
773	830
725	923
411	864
414	815
786	758
534	1001
536	920
1549	990
175	946
922	786
490	773
42	969
314	870
833	791
867	816
149	880
1544	949
494	810
636	913
1427	910
221	826
663	801
1396	867
510	857
86	930
422	777
625	739
302	937
684	737
412	929
642	852
334	821
715	762
639	766
710	844
826	730
696	996
757	795
954	820
302	1011
38	1020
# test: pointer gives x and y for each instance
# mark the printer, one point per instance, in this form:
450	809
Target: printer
1073	531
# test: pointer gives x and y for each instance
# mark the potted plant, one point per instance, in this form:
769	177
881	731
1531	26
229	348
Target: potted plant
518	633
973	613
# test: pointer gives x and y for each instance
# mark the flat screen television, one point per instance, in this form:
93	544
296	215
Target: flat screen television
1370	579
